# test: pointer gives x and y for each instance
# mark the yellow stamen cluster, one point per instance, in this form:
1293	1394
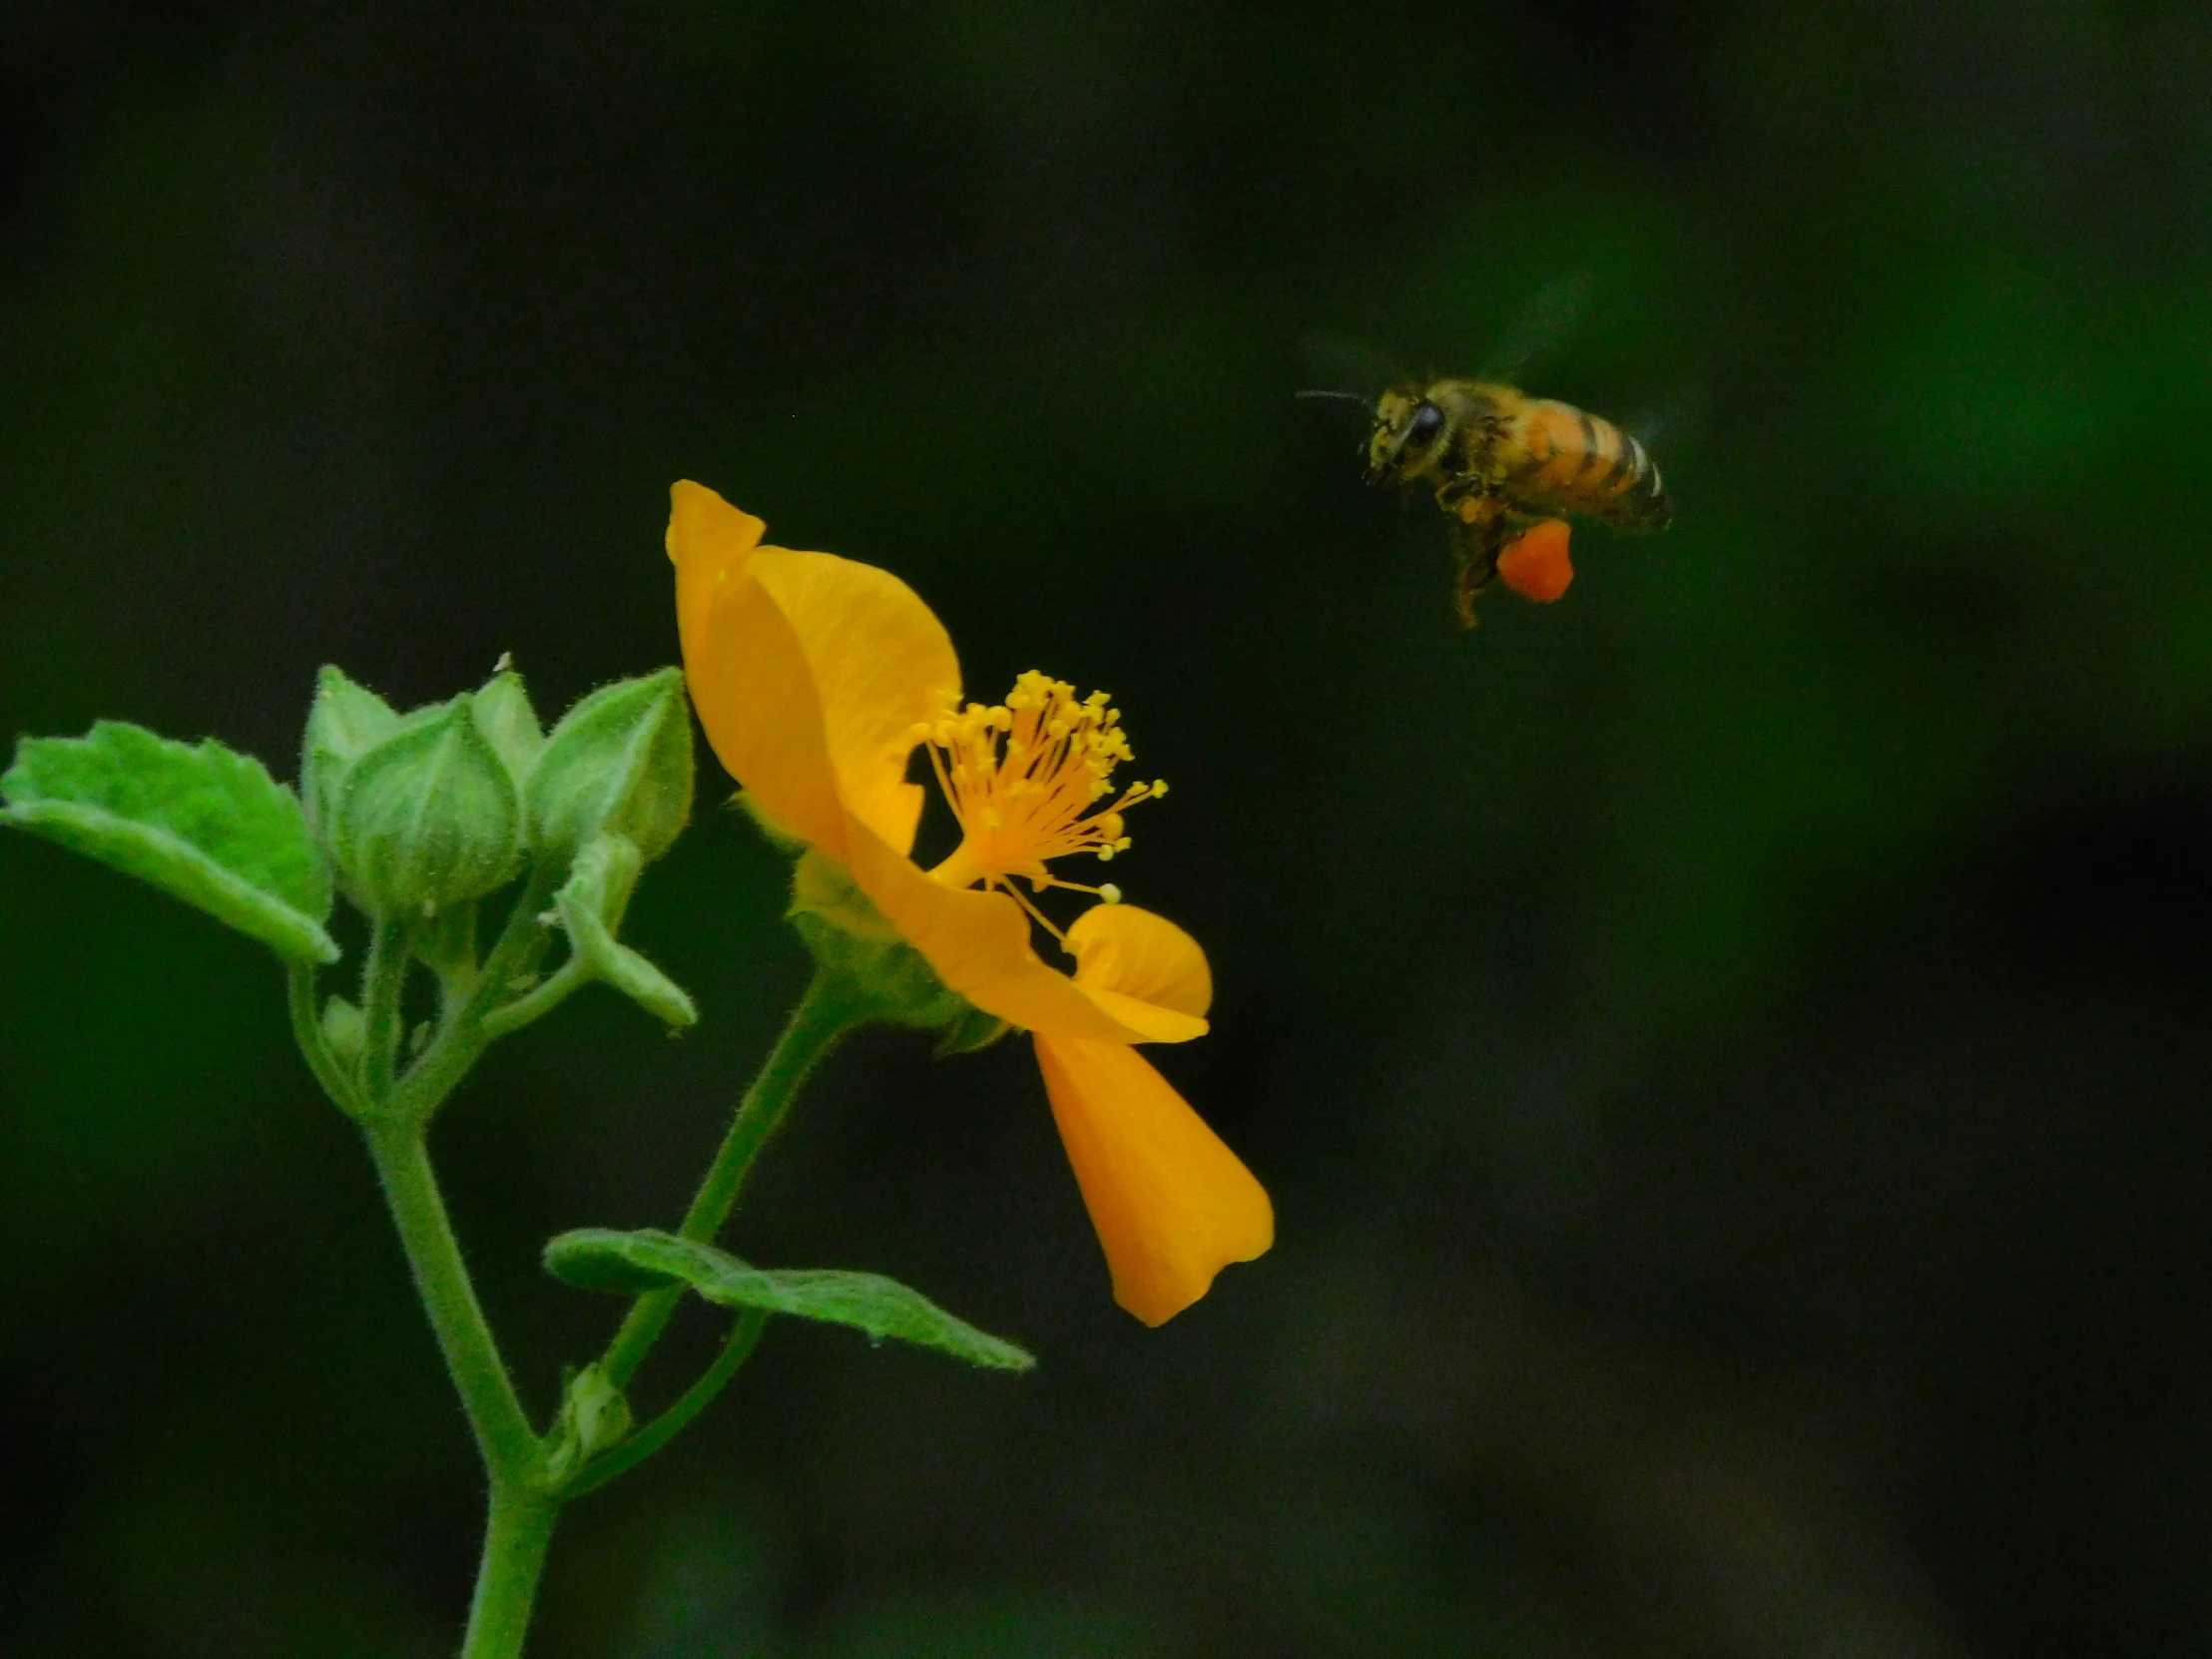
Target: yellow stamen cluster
1027	778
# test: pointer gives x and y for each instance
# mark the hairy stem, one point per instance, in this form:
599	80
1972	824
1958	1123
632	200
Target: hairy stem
515	1540
737	1347
541	999
383	979
503	1435
824	1015
461	1036
307	1030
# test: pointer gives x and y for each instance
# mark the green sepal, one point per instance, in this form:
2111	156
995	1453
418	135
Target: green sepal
427	817
345	722
968	1033
619	764
205	825
510	724
591	904
595	1418
602	1258
851	941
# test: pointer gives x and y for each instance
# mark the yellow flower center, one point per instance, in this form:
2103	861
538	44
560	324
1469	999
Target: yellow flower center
1030	781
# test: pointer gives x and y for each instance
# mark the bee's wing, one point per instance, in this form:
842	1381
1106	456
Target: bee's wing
1340	365
1542	323
1679	422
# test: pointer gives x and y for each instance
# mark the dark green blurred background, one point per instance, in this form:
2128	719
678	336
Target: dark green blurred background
1728	1050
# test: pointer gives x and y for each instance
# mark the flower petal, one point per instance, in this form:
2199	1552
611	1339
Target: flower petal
1119	947
979	942
709	542
880	662
1172	1205
755	692
1141	1021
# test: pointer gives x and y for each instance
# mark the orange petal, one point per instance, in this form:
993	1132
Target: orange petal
1536	564
755	692
1124	949
979	942
709	542
880	662
1172	1205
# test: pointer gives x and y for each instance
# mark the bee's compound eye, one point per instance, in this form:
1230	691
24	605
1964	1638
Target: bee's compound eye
1428	422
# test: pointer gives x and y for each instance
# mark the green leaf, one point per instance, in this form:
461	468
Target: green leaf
203	825
601	1258
591	905
620	763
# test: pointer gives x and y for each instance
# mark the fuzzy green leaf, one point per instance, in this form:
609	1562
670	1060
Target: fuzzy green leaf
601	1258
205	825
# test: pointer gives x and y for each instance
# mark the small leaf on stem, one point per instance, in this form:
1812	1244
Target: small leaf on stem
602	1258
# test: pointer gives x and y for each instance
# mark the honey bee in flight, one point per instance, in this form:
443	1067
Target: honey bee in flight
1508	471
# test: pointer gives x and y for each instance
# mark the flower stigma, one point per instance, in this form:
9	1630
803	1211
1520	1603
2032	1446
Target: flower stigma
1029	781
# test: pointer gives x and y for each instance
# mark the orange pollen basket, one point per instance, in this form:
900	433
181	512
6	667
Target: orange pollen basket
1029	782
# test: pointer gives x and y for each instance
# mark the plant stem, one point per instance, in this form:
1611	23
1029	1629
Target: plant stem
827	1011
461	1036
541	999
383	979
515	1540
504	1438
737	1347
307	1030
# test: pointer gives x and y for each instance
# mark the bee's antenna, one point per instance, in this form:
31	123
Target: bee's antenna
1336	396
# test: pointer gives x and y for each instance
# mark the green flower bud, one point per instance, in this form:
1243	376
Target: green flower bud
427	817
344	1029
619	764
594	1417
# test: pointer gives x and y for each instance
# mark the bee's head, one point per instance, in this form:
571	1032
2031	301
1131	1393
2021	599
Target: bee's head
1409	437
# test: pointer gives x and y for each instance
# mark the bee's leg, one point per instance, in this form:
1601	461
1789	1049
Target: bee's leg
1475	544
1454	492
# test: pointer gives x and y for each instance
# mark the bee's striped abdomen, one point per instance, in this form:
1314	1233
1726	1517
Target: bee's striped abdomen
1580	463
1637	496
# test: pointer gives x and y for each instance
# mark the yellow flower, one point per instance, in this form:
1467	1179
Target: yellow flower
816	678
